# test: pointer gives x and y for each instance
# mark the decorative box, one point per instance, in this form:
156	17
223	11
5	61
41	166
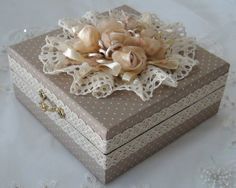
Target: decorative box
112	134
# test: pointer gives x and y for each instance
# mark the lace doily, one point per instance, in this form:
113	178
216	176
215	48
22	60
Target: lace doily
102	83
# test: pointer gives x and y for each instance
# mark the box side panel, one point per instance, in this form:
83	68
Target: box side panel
63	137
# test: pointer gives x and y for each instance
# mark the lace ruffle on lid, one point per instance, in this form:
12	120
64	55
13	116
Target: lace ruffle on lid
124	63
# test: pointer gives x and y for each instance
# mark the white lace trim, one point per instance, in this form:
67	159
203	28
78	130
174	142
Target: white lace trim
101	84
106	161
105	146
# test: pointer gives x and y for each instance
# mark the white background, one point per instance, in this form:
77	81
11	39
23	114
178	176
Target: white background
29	155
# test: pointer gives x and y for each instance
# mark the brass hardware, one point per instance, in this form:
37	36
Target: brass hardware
49	106
42	95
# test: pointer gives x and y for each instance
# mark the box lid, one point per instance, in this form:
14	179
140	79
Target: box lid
122	110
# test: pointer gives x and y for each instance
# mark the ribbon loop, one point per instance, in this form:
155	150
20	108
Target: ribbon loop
73	54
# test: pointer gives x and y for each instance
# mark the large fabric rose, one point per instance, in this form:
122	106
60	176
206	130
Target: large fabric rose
132	60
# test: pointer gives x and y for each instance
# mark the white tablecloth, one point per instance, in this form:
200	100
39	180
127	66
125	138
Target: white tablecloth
30	156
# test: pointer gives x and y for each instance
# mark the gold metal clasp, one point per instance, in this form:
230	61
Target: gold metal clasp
47	106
